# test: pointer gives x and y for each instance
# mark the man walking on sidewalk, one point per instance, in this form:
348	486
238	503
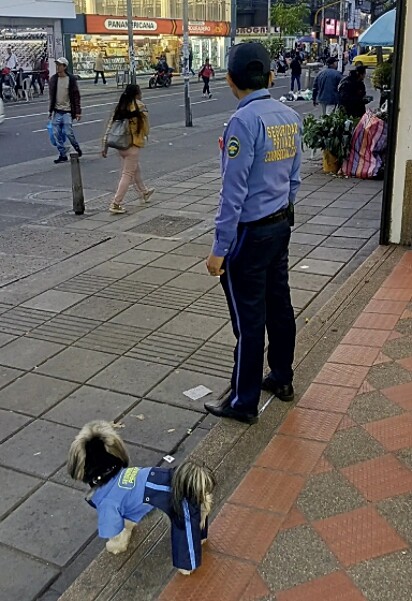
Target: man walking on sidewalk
261	156
325	88
64	107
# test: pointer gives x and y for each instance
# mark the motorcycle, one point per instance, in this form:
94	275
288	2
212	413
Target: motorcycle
161	79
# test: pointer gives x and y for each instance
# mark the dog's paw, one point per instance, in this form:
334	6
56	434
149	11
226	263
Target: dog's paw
185	572
203	541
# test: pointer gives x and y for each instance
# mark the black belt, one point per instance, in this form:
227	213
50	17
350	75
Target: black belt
273	218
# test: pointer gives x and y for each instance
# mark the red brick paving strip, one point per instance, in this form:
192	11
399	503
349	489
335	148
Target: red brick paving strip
333	587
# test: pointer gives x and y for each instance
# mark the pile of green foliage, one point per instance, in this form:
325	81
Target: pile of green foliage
330	132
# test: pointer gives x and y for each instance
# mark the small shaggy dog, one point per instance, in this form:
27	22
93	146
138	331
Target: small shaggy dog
123	495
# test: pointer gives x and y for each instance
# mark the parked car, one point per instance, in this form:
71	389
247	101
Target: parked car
370	59
2	115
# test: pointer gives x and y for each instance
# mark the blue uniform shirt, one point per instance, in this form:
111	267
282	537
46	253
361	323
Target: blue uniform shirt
261	158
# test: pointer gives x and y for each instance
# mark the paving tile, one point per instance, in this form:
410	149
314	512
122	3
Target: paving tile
112	270
145	316
20	320
6	338
162	428
153	275
328	494
349	354
376	321
352	446
54	300
289	550
312	239
39	449
390	307
76	364
397	513
7	375
64	329
388	374
14	488
319	267
89	403
137	257
406	363
333	587
10	423
170	261
97	307
308	423
366	337
323	466
352	232
307	281
325	397
351	376
393	294
48	511
165	348
195	281
256	590
394	433
339	242
293	519
171	389
371	407
300	250
380	478
258	529
325	254
359	535
26	353
291	455
195	326
112	338
213	359
400	394
230	579
159	245
193	250
268	490
314	228
130	376
26	577
379	578
34	394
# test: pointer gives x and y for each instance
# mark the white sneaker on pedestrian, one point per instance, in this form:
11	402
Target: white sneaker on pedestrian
146	195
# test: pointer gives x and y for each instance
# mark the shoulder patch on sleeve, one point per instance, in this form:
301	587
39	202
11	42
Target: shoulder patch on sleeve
233	147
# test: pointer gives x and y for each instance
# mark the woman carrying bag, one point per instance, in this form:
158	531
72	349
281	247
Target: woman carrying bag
127	132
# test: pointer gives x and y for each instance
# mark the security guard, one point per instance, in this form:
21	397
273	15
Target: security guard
261	156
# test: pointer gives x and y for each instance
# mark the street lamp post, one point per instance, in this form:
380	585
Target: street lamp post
186	74
269	18
132	62
233	21
340	47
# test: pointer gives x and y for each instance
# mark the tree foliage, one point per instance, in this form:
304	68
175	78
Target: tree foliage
291	19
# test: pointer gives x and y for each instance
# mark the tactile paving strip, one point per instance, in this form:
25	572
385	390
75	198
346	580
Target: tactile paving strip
210	304
64	329
172	298
164	348
21	320
113	338
127	290
214	359
85	284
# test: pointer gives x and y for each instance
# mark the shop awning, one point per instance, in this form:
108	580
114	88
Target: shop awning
380	33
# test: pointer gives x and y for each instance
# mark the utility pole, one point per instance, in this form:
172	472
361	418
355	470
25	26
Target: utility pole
269	18
340	47
186	73
233	21
132	62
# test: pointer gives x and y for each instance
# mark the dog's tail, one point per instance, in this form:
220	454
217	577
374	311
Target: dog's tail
193	482
94	441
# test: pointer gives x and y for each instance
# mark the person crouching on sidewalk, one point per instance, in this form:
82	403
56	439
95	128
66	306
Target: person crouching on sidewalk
130	106
64	107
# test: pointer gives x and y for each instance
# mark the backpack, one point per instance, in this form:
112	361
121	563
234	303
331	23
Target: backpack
119	135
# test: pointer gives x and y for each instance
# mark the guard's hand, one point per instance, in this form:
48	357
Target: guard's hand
104	153
50	116
214	265
78	117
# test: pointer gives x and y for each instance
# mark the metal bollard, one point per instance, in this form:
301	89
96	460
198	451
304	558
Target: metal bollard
77	185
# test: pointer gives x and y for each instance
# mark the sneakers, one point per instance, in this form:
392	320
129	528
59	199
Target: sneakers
79	151
146	195
61	159
210	95
284	392
204	95
117	209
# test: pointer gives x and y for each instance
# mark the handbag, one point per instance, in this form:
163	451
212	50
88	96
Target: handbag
119	135
51	133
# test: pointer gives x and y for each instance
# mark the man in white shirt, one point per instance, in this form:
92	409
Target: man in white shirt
11	60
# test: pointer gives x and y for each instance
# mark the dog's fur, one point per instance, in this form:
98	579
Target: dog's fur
98	453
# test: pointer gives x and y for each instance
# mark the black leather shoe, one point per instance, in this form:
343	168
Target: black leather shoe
284	392
61	159
79	151
223	409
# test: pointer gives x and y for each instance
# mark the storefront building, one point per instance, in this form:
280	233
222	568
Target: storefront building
33	31
158	29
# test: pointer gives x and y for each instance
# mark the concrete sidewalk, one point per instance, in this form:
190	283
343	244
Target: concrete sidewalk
118	320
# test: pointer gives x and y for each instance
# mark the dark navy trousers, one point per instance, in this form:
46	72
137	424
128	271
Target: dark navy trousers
256	286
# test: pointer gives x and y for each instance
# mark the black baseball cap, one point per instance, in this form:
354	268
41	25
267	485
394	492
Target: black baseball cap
242	55
332	60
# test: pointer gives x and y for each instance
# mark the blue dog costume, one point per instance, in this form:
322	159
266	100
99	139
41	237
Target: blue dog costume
133	493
